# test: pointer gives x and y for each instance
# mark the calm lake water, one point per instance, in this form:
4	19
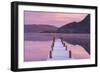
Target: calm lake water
38	45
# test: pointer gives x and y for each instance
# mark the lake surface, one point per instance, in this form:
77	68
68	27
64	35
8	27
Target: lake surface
38	45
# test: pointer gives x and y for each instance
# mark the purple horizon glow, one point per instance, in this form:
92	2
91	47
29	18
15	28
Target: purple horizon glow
51	18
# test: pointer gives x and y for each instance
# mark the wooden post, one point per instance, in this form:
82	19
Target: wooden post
50	54
70	54
64	44
53	43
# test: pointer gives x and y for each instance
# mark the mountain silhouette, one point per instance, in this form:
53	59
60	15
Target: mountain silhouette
73	27
39	28
76	27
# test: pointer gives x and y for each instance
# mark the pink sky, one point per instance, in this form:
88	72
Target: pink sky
54	18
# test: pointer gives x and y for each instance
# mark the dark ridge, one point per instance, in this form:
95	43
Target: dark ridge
39	28
76	27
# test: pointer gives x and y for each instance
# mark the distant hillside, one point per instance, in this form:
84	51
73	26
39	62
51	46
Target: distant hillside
39	28
76	27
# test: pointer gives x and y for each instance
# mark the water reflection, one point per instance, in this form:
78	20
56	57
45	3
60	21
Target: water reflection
37	46
37	50
77	51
